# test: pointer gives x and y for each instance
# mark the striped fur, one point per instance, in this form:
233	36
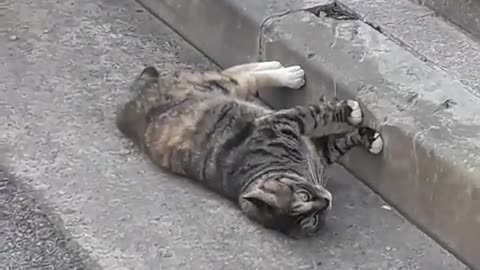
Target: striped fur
272	163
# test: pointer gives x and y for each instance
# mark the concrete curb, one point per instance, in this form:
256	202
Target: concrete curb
429	170
464	13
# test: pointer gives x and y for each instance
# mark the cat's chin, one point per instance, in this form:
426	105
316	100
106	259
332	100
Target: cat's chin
283	224
252	211
299	233
302	235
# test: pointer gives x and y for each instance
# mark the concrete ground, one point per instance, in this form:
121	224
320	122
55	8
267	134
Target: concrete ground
74	194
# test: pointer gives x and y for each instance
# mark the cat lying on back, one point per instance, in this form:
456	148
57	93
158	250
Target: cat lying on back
272	163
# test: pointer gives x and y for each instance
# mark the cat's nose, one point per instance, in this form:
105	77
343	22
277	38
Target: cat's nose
327	204
327	198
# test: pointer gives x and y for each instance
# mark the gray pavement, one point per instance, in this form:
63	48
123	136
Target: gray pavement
29	238
89	199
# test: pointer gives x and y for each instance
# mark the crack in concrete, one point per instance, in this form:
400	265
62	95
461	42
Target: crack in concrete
263	25
338	8
340	11
402	44
335	10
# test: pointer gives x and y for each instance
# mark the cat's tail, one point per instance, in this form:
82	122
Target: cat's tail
131	116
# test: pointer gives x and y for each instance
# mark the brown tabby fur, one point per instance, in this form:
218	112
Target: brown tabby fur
204	127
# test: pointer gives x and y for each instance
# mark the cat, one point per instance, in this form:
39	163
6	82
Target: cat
272	163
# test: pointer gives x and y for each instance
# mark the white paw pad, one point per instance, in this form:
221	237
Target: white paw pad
268	65
356	116
292	77
377	144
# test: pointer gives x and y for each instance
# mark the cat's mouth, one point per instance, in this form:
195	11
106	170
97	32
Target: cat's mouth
261	206
309	226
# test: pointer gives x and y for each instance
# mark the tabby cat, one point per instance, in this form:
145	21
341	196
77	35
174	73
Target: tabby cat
272	163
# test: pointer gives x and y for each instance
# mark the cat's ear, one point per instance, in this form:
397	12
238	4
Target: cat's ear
149	72
271	192
259	197
145	80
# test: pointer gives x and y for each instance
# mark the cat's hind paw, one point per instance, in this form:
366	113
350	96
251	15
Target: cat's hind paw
356	115
292	77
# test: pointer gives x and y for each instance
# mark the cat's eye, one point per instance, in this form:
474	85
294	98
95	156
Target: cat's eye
304	196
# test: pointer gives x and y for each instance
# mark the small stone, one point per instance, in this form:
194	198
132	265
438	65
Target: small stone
388	249
13	38
387	207
305	267
45	233
46	31
165	253
5	213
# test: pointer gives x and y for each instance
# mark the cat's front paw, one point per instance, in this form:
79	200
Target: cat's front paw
373	140
376	145
292	77
356	115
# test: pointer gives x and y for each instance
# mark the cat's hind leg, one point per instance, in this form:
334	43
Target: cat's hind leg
250	82
258	66
333	147
243	81
292	77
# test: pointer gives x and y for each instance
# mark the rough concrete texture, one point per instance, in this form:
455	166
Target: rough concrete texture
29	238
429	169
64	67
464	13
436	41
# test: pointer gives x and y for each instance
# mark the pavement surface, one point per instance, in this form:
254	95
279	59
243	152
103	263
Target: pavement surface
29	237
74	194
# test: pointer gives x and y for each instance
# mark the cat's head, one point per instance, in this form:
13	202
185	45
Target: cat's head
296	208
